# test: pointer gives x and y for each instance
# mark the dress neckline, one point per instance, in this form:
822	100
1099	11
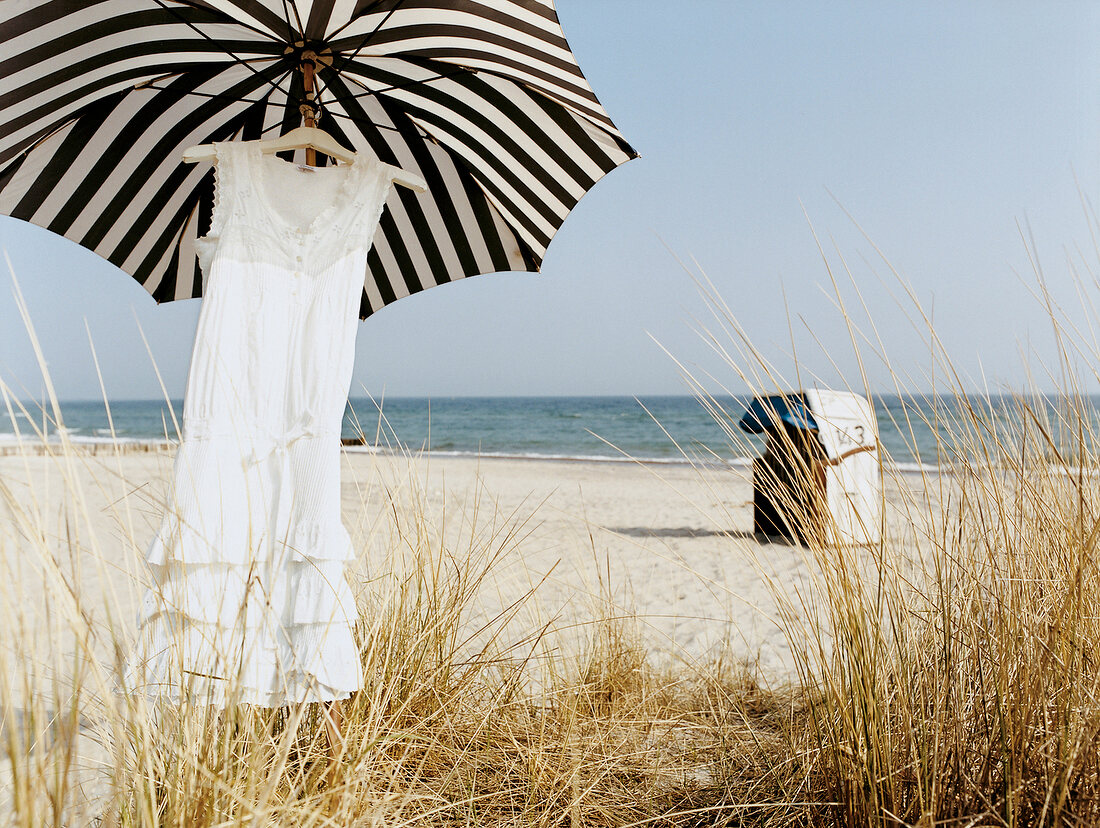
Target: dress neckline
338	200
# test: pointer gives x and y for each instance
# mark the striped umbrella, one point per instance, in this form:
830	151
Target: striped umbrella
482	98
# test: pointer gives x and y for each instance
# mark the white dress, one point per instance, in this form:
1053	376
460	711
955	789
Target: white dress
249	602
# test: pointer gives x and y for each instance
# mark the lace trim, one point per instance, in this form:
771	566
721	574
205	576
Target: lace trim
219	213
206	246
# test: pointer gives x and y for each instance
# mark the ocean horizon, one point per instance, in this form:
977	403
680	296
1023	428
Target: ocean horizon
652	428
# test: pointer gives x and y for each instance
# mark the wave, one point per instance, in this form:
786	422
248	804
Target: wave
915	468
732	462
102	438
83	439
363	449
10	438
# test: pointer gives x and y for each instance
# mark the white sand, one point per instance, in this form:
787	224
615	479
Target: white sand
667	544
668	549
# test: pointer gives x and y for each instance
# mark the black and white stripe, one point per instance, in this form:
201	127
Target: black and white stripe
482	98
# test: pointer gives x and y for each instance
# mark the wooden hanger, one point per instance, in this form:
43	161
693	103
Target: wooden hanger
308	137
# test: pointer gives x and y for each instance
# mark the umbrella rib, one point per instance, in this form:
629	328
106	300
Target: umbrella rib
236	59
235	22
357	17
149	83
372	123
212	95
396	86
347	59
366	39
293	7
324	86
357	121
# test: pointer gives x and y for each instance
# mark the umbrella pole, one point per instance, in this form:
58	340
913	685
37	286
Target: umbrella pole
308	111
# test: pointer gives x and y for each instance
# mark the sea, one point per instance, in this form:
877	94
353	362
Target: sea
659	429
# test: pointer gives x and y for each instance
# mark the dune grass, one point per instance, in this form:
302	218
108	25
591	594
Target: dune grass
455	725
949	674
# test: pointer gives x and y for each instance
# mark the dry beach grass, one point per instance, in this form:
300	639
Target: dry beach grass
948	675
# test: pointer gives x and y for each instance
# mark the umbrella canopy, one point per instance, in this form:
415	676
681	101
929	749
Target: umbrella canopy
482	98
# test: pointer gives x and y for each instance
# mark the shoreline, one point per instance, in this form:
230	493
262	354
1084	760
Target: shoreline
95	446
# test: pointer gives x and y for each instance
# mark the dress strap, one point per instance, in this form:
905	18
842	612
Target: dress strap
374	180
228	181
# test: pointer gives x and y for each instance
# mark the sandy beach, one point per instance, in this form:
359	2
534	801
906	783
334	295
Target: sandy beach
545	551
667	548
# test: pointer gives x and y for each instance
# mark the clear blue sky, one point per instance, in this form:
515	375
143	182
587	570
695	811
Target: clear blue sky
939	126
